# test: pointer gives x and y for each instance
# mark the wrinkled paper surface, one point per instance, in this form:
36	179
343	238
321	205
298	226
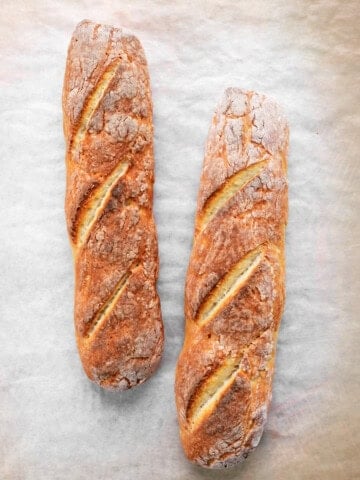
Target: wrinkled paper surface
54	424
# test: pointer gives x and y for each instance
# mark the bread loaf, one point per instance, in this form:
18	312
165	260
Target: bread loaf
110	173
234	293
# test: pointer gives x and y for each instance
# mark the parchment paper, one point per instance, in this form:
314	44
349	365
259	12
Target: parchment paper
54	424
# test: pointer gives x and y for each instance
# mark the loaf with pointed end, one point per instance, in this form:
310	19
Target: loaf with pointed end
234	294
110	173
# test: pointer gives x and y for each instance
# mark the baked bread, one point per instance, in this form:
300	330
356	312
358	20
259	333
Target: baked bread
234	294
110	173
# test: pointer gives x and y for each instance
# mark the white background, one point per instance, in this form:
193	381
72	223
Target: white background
54	424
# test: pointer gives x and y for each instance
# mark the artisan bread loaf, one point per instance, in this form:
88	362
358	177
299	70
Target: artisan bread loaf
110	173
234	293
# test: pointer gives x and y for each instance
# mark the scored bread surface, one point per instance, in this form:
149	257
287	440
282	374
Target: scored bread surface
110	173
234	293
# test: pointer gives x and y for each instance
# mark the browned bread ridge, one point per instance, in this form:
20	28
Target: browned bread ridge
234	294
110	173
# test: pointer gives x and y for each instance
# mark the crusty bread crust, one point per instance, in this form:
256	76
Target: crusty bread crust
110	173
234	293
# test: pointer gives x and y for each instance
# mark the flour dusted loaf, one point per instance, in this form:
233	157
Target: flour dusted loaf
110	173
234	293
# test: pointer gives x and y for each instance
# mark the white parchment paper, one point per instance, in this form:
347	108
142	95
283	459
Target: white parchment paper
54	424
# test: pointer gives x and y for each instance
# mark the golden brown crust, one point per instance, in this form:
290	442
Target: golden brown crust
110	173
234	294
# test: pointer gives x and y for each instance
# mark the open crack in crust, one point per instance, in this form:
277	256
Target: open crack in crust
224	194
110	173
227	288
235	283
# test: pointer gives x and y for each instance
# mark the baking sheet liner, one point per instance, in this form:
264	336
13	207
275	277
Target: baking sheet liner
53	422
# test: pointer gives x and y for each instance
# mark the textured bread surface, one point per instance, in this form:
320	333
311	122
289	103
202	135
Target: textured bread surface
110	173
234	294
